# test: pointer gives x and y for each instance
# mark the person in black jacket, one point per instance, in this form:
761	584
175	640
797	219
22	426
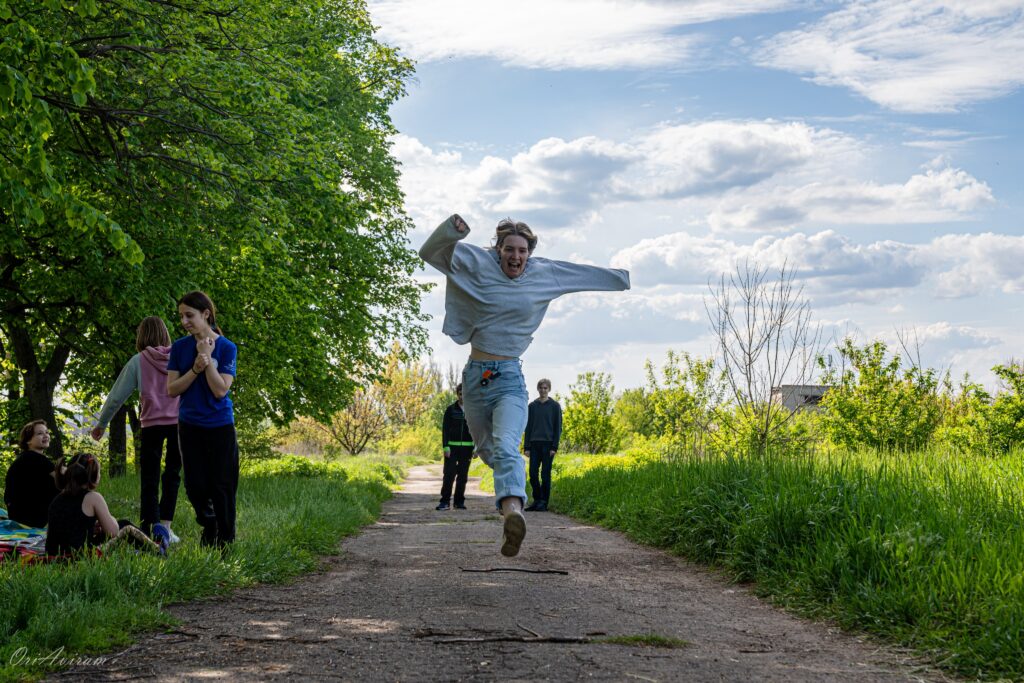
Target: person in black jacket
458	451
30	487
543	432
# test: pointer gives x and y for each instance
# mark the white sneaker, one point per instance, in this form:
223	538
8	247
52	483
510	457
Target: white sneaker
515	532
172	537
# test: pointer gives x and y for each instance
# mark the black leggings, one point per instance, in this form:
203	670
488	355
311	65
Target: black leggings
158	502
210	458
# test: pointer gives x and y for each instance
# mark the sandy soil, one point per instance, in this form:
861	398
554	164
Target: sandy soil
425	596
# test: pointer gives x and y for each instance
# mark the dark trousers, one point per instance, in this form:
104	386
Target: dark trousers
159	493
210	458
456	469
540	459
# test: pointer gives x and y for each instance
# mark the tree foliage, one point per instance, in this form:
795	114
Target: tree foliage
242	148
685	396
587	422
875	402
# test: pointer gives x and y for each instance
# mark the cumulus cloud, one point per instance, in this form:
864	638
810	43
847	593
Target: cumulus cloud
737	175
914	56
951	265
967	265
599	319
555	34
946	194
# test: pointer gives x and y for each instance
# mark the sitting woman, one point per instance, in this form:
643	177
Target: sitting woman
79	516
29	487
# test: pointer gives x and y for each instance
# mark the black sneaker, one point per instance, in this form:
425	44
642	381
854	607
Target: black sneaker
442	506
541	506
532	507
460	506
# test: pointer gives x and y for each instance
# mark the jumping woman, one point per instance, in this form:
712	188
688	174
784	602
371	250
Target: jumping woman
200	370
495	300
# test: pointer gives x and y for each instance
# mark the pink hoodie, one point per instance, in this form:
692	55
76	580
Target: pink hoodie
156	407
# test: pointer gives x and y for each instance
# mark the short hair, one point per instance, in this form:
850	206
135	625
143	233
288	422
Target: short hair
151	332
458	388
27	432
508	227
544	381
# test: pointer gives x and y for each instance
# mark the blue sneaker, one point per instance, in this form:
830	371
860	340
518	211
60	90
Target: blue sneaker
162	537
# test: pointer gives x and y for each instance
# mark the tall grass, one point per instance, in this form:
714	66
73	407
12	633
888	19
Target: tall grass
926	549
290	512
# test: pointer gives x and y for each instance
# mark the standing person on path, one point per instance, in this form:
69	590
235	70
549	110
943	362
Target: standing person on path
29	486
458	452
543	432
200	370
146	372
495	300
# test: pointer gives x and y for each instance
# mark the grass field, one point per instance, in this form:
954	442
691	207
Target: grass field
925	549
291	511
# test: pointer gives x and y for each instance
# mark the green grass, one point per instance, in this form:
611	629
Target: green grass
925	549
290	512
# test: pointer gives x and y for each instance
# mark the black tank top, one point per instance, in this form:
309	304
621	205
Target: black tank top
69	528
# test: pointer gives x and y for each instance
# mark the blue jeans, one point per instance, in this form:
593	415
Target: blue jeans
496	415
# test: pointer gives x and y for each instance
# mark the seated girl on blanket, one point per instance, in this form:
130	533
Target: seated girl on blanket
79	516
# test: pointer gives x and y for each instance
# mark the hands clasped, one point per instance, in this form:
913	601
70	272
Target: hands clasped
204	351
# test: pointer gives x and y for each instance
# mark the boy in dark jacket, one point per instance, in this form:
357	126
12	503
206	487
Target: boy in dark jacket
458	452
543	432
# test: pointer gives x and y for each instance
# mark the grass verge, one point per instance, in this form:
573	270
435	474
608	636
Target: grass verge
926	549
291	511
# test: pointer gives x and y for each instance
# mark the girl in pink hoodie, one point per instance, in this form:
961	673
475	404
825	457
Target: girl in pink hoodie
158	413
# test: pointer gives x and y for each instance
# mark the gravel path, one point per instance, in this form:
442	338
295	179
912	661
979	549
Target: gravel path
398	604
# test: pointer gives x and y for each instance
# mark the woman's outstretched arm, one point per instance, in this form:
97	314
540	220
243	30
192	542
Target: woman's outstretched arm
439	249
578	277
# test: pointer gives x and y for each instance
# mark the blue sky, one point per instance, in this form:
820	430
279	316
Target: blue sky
875	147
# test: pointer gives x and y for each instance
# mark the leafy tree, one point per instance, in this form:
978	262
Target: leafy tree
354	427
1007	415
153	147
877	403
587	423
632	413
408	388
966	423
686	399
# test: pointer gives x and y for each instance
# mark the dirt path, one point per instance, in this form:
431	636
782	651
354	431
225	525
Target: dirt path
384	608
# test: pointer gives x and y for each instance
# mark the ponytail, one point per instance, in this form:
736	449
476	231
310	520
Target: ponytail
77	473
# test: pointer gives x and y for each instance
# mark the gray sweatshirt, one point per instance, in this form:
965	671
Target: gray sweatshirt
490	310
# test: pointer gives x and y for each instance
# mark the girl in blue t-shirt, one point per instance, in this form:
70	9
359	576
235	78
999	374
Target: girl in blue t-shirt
200	370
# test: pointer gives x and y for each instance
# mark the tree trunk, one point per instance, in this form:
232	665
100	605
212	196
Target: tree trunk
136	425
117	443
40	383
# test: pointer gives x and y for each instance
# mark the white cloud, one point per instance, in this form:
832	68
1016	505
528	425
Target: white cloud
705	158
967	265
834	267
914	55
555	34
947	194
728	175
600	319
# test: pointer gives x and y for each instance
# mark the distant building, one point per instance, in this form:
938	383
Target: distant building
799	396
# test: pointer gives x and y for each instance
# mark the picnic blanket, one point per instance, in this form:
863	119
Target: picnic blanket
18	540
